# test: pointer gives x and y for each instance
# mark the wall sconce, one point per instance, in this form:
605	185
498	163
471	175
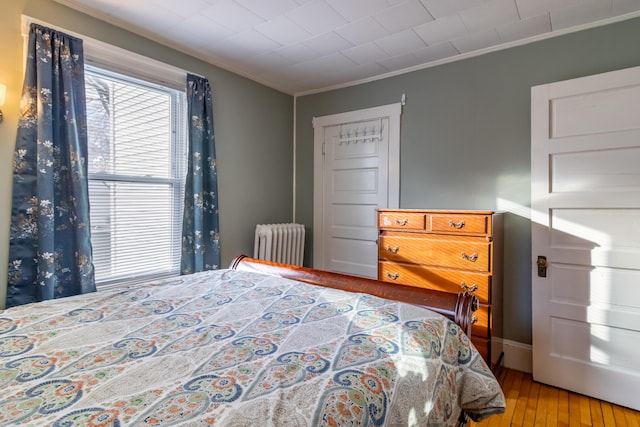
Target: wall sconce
3	96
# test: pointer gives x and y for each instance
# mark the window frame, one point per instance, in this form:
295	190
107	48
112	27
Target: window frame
178	167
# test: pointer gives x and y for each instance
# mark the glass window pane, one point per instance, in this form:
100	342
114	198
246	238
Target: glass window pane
130	127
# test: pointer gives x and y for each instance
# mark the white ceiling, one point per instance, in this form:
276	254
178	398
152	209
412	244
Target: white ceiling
303	46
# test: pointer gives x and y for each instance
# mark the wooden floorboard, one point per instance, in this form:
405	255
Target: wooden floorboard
533	404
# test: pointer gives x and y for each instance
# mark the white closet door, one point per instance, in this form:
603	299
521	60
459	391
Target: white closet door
356	161
585	163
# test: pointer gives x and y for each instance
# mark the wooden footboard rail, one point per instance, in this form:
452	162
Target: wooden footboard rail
458	307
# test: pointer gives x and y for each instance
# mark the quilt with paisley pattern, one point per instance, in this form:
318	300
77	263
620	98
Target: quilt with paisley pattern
234	348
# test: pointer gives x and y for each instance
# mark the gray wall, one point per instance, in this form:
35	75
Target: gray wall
253	126
465	137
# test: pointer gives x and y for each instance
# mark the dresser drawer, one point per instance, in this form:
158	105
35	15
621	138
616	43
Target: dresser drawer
482	326
452	281
402	221
472	255
459	223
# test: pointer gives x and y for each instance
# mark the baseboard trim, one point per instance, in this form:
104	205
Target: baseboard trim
516	356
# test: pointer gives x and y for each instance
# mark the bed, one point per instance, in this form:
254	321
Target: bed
258	343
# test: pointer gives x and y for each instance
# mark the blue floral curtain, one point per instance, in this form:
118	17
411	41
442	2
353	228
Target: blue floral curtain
50	247
200	230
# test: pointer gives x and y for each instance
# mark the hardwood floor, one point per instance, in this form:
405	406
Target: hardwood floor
533	404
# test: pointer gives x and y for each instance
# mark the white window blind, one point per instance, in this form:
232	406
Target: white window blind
137	163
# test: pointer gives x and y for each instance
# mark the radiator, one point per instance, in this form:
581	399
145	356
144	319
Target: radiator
280	243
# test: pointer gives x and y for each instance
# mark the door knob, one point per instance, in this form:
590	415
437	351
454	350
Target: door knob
542	266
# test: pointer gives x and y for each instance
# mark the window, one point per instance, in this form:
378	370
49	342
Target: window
137	164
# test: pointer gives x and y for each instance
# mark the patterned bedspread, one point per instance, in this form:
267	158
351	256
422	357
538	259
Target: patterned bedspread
232	348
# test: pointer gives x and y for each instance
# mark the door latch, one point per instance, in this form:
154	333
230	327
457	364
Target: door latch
542	266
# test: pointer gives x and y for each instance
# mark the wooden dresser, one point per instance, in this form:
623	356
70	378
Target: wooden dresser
451	251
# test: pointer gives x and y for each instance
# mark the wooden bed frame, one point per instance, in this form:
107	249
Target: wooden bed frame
458	307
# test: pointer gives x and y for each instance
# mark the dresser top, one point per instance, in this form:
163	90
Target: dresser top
438	211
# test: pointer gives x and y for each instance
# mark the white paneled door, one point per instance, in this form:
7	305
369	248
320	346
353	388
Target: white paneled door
585	167
356	165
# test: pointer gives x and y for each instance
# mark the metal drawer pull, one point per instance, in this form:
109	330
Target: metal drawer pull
474	319
402	222
393	276
393	250
468	288
454	224
473	257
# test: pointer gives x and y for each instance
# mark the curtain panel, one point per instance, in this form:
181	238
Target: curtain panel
200	229
50	246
